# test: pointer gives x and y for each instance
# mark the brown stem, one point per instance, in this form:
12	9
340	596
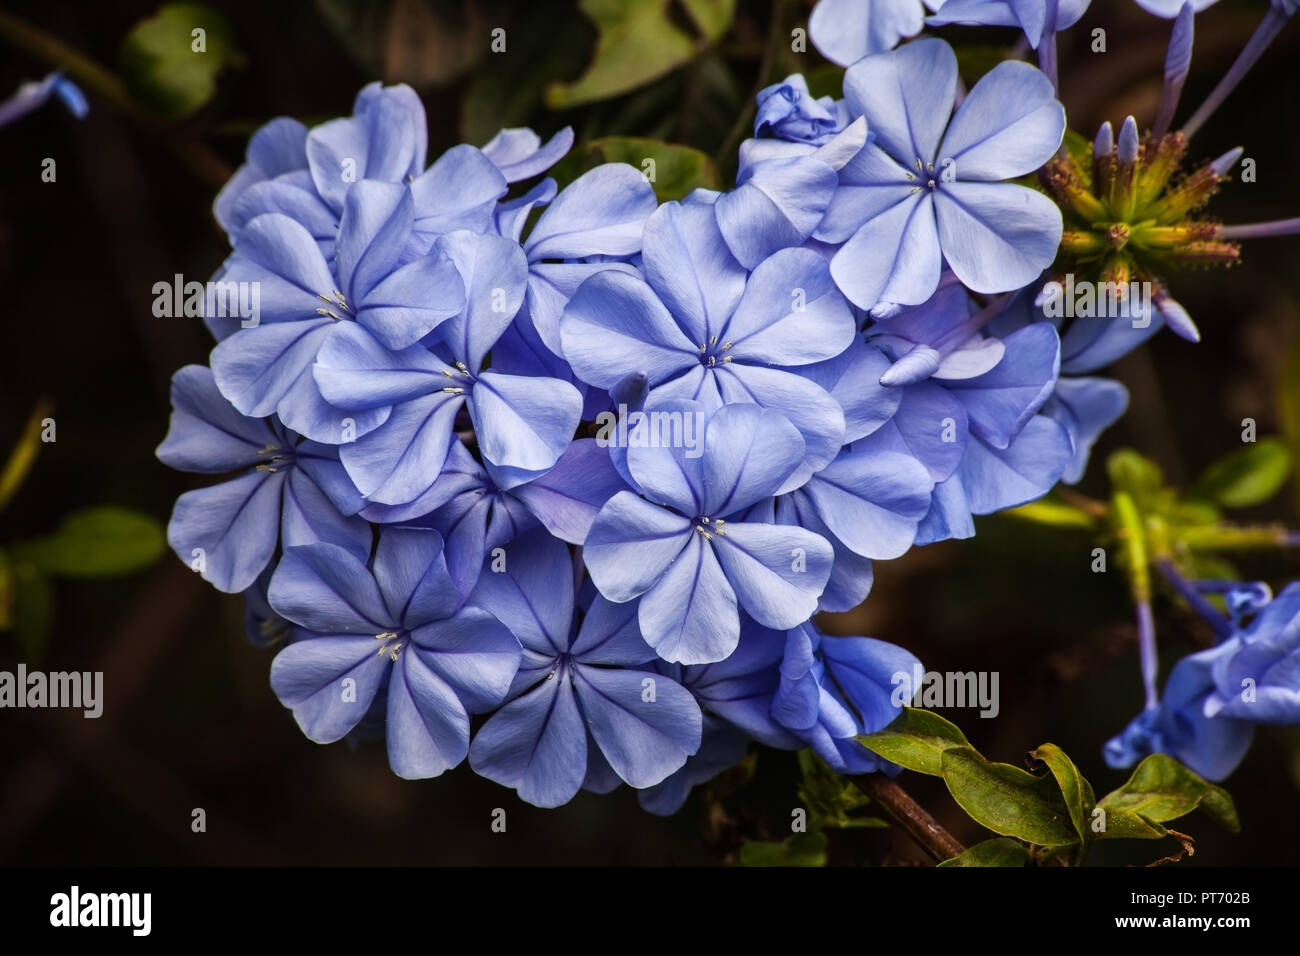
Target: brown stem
911	816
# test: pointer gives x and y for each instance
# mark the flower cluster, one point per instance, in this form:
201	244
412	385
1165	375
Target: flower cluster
1213	699
555	480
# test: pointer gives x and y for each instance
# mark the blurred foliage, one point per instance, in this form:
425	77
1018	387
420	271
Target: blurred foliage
170	61
90	543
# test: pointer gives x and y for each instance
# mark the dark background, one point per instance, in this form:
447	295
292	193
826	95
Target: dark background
189	719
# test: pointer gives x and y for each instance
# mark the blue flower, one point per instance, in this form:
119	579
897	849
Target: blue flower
684	554
307	174
372	291
396	627
522	423
33	95
1029	15
699	327
844	31
736	698
919	196
787	111
834	688
288	491
969	409
1214	698
1260	681
580	690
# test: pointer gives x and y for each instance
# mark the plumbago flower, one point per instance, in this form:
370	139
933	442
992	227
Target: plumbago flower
921	195
369	296
288	491
834	688
586	697
397	626
699	327
684	552
1213	699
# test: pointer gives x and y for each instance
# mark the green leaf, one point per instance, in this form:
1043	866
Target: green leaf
1248	476
1126	825
33	611
1075	790
639	42
1006	799
98	542
916	740
1000	851
677	169
1130	472
170	67
803	849
1162	789
831	799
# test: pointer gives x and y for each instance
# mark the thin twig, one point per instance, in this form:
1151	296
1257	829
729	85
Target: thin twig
911	816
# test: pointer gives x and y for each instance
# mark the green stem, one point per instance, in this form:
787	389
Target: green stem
23	456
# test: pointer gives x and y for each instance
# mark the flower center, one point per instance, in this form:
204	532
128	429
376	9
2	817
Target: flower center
462	374
276	459
334	301
930	176
392	644
708	527
712	354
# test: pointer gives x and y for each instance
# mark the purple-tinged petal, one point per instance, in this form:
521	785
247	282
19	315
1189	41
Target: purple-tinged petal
310	677
791	313
520	155
1007	126
615	325
232	527
602	212
523	422
536	744
325	588
690	615
644	740
778	572
996	236
686	261
631	544
427	727
207	434
906	96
